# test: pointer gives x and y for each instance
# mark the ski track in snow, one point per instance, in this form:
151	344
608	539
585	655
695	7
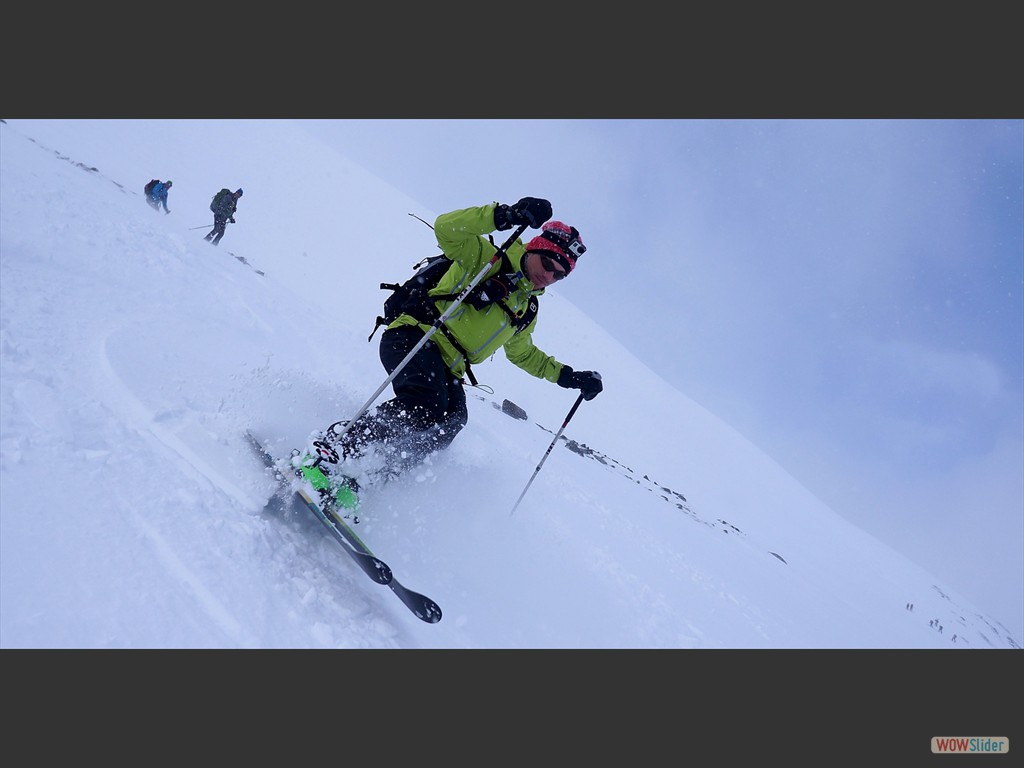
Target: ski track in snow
161	428
145	419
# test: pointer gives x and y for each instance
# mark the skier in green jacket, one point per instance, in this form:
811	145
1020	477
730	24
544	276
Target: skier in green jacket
429	406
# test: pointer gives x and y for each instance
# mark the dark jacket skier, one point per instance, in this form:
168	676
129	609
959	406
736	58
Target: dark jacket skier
223	206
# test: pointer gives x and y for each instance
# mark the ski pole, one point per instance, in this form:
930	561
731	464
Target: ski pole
545	456
204	226
433	329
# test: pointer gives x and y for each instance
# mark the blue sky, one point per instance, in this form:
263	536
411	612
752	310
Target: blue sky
845	293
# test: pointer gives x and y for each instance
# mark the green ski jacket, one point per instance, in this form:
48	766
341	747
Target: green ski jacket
460	234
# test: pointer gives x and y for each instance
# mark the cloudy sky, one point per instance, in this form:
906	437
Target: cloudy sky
849	294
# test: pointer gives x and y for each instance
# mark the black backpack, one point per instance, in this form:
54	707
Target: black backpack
217	198
411	296
149	187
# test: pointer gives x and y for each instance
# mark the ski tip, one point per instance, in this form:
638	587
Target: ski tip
422	607
429	612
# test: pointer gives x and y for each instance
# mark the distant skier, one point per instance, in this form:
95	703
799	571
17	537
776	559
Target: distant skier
156	194
223	205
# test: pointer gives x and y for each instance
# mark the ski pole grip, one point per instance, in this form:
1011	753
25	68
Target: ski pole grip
512	238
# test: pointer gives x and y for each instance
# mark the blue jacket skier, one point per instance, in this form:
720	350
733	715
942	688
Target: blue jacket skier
158	195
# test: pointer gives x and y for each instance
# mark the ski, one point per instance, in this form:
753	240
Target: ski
421	606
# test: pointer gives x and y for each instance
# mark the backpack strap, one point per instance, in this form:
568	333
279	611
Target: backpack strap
465	355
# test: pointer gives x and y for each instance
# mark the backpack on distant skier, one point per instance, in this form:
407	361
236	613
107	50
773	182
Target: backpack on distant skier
215	203
149	187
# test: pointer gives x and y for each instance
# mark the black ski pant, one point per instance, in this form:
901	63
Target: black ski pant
427	411
219	225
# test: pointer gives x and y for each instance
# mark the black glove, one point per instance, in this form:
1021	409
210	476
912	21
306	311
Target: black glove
587	382
491	290
530	210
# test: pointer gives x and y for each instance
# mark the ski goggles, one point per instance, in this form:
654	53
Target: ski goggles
549	266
